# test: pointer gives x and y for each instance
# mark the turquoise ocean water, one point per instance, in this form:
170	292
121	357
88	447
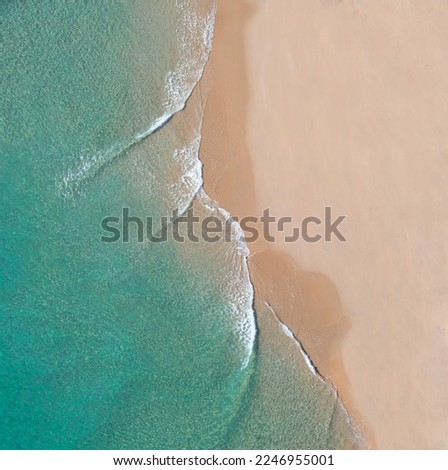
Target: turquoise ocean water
129	345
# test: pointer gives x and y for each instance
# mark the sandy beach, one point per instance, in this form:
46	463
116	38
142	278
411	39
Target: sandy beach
343	104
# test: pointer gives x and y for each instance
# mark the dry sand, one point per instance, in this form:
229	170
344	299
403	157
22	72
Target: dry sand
320	103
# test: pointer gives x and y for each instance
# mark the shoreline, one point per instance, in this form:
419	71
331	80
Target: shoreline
353	119
229	179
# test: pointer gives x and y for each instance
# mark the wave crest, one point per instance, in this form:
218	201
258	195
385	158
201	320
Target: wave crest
194	38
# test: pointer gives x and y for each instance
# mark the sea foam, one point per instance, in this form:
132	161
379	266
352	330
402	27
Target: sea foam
194	34
240	290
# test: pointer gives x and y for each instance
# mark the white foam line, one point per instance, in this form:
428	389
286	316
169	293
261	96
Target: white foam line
245	325
188	74
317	374
305	355
309	362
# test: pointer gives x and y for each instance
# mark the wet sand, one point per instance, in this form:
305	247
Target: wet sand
343	104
